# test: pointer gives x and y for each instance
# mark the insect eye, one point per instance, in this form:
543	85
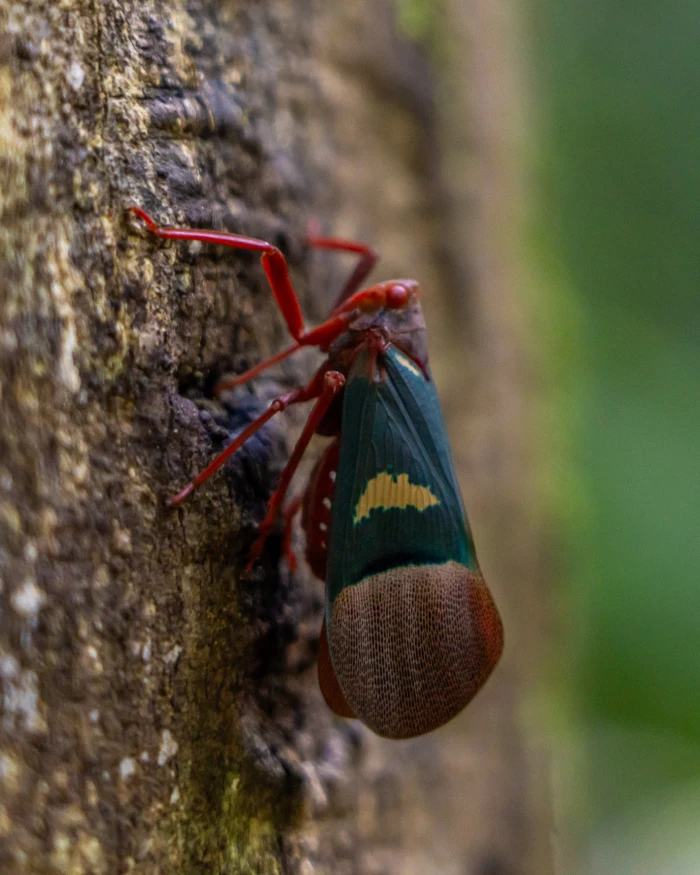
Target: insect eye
396	296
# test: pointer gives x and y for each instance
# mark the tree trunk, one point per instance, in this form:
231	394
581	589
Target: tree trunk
159	713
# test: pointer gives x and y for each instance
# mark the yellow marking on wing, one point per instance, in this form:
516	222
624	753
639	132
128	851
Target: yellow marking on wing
408	364
385	491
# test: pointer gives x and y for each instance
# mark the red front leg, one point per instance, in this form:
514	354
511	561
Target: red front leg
273	263
275	268
391	294
322	336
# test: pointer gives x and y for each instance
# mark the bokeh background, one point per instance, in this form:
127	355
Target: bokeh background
612	238
582	122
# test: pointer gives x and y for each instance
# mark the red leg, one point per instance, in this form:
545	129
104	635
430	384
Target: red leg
273	263
322	336
296	396
288	514
368	258
333	382
391	294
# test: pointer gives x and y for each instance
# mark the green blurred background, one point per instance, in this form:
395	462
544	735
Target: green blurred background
614	236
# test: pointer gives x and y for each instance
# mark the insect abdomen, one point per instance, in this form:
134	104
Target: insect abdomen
412	645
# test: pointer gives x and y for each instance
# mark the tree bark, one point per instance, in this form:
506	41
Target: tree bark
159	713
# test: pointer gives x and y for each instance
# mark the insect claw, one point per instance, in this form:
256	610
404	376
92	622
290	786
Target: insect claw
144	217
177	500
252	559
257	547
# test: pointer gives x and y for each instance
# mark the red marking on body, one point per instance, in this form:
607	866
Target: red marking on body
318	507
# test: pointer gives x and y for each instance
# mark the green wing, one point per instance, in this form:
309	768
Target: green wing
396	500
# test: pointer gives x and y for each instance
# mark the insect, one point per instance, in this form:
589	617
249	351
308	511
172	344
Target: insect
410	631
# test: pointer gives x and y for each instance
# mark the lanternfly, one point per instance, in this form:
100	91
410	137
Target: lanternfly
411	632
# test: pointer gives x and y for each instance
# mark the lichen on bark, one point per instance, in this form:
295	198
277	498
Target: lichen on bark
126	634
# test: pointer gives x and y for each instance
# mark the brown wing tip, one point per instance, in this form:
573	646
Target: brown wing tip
411	646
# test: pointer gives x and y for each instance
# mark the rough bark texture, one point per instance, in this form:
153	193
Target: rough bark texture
159	714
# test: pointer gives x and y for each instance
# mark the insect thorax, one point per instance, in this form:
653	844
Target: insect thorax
404	327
